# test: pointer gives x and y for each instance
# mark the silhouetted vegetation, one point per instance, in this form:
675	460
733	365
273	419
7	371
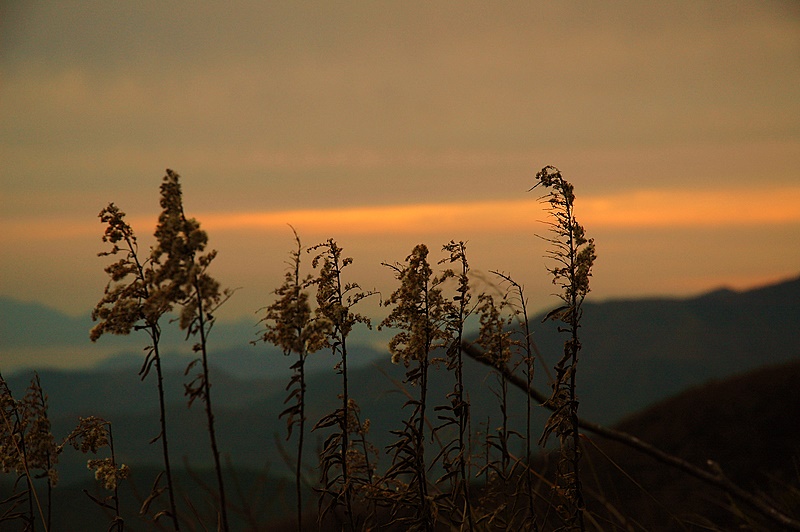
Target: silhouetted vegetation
443	469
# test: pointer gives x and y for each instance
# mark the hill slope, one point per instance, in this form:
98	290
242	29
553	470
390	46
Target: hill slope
747	424
636	352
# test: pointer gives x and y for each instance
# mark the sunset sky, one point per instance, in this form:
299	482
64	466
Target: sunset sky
386	124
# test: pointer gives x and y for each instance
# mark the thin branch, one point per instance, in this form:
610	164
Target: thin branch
715	477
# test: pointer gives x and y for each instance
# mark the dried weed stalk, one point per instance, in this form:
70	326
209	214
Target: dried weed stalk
290	326
91	435
420	313
183	276
28	449
494	338
335	301
518	306
455	454
135	298
573	255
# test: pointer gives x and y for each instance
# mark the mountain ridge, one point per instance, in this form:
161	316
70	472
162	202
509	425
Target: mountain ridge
30	327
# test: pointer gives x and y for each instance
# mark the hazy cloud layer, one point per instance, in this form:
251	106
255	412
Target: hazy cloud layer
278	107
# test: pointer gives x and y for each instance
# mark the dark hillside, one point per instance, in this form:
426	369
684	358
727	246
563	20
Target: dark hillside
747	424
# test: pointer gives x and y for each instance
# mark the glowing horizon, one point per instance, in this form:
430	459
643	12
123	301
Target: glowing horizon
639	209
627	210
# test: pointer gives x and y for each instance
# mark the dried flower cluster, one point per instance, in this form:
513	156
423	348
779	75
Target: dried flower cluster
420	316
128	298
90	435
140	291
419	311
106	472
183	275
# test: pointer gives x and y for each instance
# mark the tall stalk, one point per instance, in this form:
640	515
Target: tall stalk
495	339
519	307
420	315
27	445
139	304
574	256
335	300
206	395
456	454
289	325
42	441
183	273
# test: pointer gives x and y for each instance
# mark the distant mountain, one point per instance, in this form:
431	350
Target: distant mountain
26	324
638	351
34	336
655	346
32	324
635	353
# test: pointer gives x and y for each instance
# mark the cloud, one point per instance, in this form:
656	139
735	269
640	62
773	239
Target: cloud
380	118
701	208
630	210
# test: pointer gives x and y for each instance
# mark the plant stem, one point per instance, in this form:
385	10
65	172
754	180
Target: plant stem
117	517
299	464
209	412
155	335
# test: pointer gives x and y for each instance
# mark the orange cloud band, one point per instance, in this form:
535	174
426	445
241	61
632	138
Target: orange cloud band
625	210
638	209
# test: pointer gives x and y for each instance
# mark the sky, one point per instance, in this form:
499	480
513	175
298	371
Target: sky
386	124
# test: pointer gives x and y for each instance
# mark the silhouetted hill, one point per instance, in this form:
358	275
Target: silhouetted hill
747	424
33	324
636	352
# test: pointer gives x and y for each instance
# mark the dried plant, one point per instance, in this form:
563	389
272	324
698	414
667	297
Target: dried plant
495	339
335	301
40	445
573	255
183	276
289	325
27	445
362	464
517	304
136	298
420	314
455	454
92	434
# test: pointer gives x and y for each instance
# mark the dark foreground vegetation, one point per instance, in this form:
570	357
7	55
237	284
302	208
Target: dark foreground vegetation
720	457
